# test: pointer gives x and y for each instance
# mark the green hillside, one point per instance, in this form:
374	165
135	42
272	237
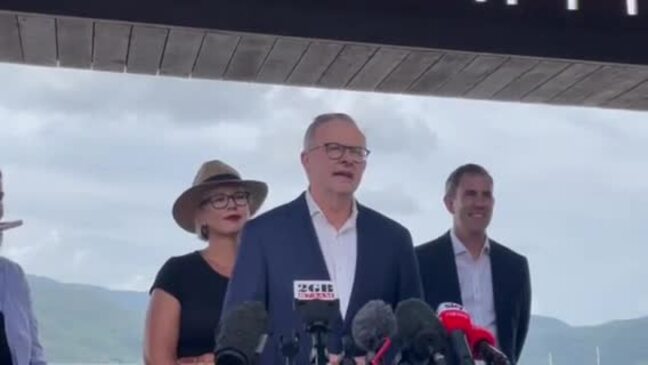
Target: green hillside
87	324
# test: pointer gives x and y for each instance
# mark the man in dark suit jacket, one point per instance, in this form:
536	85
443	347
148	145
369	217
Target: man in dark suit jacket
464	266
324	235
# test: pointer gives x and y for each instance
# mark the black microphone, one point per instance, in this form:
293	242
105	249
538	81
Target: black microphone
372	329
421	337
289	347
241	335
318	305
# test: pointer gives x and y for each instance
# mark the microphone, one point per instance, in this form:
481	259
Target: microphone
318	304
349	347
458	324
241	335
420	336
482	343
372	328
289	347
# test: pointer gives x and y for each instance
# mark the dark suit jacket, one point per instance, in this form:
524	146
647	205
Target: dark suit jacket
281	246
511	288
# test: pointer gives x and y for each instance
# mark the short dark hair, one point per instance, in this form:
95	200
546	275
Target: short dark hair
452	183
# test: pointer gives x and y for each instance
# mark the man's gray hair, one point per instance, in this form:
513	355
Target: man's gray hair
320	120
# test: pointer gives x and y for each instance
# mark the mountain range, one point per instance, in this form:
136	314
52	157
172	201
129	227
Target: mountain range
88	324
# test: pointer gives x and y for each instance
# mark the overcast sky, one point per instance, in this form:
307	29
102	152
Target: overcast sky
93	161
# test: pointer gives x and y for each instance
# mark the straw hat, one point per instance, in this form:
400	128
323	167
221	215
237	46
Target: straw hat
211	175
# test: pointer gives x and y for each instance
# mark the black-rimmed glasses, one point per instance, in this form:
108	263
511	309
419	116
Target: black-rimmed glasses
221	201
335	151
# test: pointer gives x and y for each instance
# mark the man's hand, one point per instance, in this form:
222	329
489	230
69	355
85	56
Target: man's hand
334	359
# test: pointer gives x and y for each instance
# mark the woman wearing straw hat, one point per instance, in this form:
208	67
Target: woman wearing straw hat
19	344
188	292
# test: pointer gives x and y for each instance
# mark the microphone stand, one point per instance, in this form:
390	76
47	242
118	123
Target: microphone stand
289	348
318	331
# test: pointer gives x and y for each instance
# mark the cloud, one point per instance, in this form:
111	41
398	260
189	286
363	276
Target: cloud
393	199
110	96
93	162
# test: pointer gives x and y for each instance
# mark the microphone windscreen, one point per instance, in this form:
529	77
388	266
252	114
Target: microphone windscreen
373	323
241	331
413	316
419	329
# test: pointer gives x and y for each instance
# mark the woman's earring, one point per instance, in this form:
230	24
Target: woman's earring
204	231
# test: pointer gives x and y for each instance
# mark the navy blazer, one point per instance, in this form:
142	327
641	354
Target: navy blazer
511	288
281	246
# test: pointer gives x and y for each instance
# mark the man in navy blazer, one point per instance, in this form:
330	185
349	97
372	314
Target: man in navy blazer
465	266
324	234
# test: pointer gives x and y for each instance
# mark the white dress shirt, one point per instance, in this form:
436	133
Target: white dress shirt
476	283
339	247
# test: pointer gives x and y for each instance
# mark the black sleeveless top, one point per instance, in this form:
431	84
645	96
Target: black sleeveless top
200	291
5	353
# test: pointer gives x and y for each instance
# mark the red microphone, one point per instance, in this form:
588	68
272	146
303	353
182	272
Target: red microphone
454	317
458	324
382	352
482	343
372	329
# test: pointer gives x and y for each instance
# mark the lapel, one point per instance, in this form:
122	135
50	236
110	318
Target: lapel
364	256
448	272
306	243
500	289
